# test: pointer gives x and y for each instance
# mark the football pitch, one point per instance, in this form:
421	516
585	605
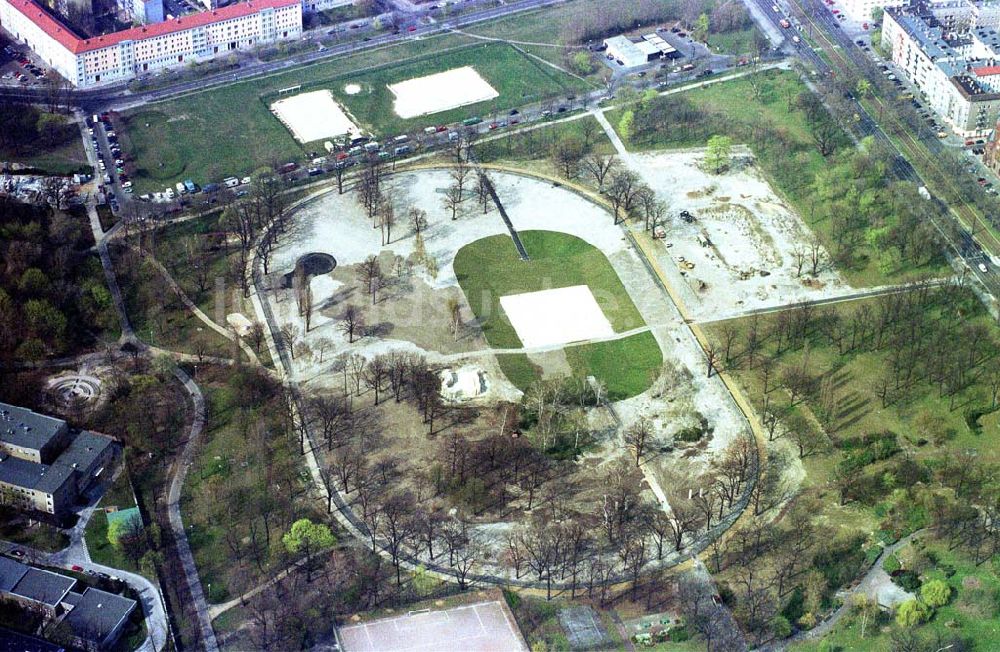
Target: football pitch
230	131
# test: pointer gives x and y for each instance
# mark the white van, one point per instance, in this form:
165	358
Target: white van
231	182
180	188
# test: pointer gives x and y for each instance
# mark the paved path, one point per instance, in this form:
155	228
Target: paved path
76	554
838	296
181	465
873	584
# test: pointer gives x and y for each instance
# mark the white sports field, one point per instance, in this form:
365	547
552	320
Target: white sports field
314	116
559	316
439	92
483	627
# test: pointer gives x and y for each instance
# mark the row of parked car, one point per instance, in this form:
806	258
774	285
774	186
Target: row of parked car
26	64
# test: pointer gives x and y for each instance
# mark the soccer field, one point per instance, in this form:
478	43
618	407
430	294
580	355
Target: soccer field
230	131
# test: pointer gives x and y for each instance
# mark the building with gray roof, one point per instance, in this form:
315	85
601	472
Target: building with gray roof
97	618
44	465
43	587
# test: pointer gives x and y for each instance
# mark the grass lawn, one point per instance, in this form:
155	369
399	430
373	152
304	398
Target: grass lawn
212	134
627	366
971	612
520	371
119	495
737	42
732	103
64	159
14	528
536	143
490	268
518	79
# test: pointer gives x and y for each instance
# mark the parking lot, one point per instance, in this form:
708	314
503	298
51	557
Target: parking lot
18	65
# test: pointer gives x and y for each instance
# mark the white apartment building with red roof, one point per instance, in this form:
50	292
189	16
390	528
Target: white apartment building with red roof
118	56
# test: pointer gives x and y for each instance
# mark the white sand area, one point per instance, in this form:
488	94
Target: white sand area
439	92
558	316
314	116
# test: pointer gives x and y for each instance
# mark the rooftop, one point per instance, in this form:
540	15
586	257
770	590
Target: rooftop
11	572
11	641
43	586
77	45
84	449
24	428
95	613
31	475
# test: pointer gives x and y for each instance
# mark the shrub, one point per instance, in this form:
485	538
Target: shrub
781	627
891	564
935	593
907	579
911	613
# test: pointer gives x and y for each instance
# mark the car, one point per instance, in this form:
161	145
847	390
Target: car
864	26
441	128
16	552
983	268
77	568
513	112
860	42
493	126
411	28
835	11
775	9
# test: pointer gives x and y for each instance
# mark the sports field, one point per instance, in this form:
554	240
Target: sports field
230	131
482	627
489	269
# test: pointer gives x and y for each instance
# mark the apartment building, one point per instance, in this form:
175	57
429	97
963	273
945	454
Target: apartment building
44	465
950	51
123	55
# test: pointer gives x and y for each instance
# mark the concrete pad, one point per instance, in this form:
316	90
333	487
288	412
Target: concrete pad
558	316
440	92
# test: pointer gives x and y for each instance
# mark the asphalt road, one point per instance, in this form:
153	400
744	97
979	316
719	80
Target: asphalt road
964	246
111	96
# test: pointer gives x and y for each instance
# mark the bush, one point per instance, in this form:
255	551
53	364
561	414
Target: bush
907	579
781	627
679	634
935	593
912	613
891	564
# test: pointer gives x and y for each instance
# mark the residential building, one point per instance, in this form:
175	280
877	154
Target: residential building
34	588
123	55
949	51
142	12
95	618
864	10
44	465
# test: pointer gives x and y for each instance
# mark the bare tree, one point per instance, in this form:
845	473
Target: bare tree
452	200
637	437
599	166
351	322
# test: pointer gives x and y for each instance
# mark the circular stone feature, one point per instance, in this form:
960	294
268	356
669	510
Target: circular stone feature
312	264
74	390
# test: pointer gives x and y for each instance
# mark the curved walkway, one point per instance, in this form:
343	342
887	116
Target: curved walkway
181	465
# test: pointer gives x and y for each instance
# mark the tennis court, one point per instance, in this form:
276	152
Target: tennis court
481	627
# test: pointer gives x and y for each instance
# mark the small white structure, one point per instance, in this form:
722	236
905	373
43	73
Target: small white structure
239	323
621	48
314	116
462	384
440	92
559	316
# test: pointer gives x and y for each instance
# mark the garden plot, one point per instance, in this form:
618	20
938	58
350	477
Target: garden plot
314	116
440	92
745	248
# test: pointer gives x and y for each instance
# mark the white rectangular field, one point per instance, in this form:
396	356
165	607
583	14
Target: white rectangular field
483	627
558	316
314	116
439	92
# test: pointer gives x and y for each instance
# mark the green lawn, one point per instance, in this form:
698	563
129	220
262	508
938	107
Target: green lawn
119	495
520	371
518	79
212	134
490	268
627	366
731	107
537	143
971	613
736	42
65	159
